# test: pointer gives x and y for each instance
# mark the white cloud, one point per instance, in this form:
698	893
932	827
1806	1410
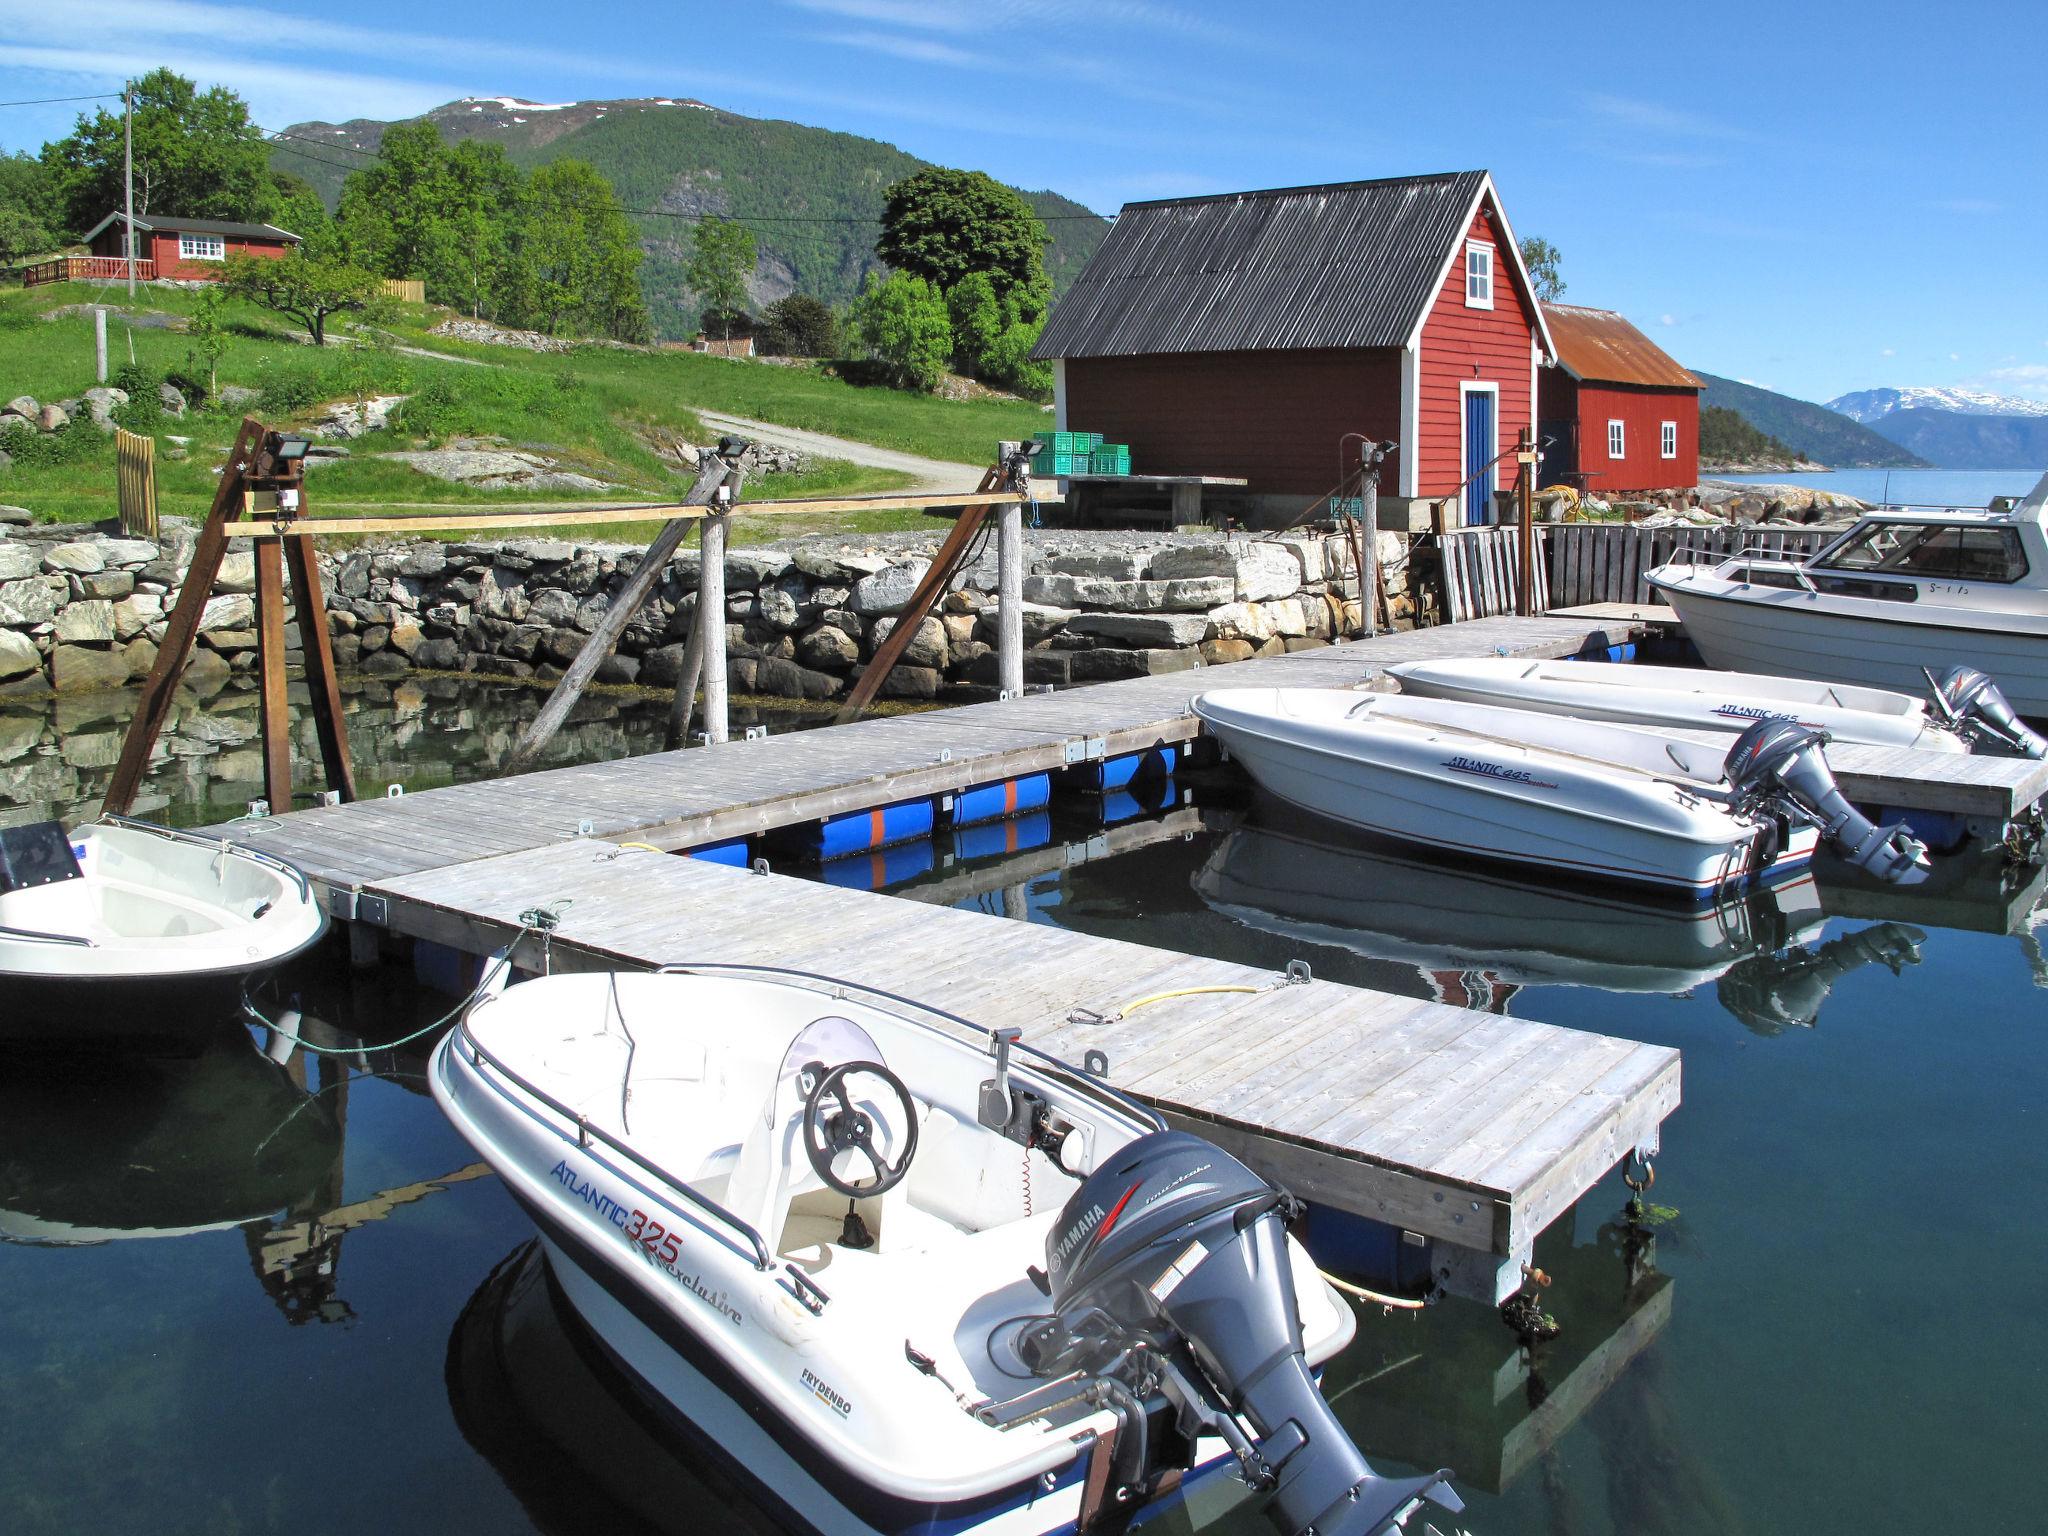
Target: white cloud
2028	380
1955	357
1667	319
1889	352
1016	17
1654	117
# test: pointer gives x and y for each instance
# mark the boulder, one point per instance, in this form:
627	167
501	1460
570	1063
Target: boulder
230	640
1196	594
52	418
385	664
27	603
171	399
663	666
129	554
746	569
107	584
913	683
1208	558
101	403
1218	653
406	639
22	405
86	623
619	671
82	668
1240	621
237	574
423	561
19	654
439	655
827	648
76	556
17	563
1109	663
888	590
837	566
1041	669
1260	569
1145	631
785	679
1286	616
140	655
927	647
552	607
16	517
232	612
1105	564
1039	621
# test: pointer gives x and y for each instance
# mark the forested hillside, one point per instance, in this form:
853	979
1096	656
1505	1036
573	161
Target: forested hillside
1811	431
811	196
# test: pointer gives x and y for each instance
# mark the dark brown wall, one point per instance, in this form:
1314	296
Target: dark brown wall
1274	418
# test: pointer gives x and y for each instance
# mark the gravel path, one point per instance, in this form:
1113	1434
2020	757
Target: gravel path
932	474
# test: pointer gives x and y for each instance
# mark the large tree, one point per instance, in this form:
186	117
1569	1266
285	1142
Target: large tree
196	155
578	258
941	225
393	212
304	287
902	321
28	208
720	263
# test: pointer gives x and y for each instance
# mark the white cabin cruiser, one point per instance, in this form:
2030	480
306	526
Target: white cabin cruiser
1576	797
132	905
1902	591
806	1219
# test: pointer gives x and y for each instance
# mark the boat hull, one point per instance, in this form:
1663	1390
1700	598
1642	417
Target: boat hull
1775	629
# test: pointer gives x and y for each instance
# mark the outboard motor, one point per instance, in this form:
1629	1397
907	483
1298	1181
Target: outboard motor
1776	766
1972	704
1169	1274
1770	992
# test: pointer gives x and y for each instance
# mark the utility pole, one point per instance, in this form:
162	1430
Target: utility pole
128	176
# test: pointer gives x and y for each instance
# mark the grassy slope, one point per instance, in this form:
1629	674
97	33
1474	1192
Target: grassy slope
579	407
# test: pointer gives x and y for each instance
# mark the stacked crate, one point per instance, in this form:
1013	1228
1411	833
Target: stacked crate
1079	453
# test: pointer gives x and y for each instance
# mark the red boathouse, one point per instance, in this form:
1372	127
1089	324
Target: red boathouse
1251	334
185	248
1618	415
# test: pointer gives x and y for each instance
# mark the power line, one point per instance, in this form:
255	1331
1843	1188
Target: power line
45	101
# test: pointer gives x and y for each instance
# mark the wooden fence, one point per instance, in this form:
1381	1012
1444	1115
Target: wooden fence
1608	562
410	290
86	269
135	476
1482	571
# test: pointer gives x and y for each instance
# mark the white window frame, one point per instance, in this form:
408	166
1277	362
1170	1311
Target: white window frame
202	248
1474	300
1667	439
1617	439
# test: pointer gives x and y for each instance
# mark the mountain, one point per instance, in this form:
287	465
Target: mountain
1870	406
1956	428
813	194
1812	431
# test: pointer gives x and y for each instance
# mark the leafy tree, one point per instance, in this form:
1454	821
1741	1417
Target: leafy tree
942	224
902	321
304	287
720	264
486	201
209	336
28	208
1545	266
196	154
578	257
1008	363
393	212
296	206
977	318
800	326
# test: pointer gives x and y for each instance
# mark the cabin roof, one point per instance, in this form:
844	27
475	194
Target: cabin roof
172	224
1600	345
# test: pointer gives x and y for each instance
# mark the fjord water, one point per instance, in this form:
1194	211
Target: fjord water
1910	487
245	1297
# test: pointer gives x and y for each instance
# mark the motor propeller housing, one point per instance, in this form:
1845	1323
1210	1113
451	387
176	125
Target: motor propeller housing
1169	1272
1776	766
1973	704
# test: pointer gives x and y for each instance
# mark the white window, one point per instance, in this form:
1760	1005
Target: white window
1667	439
1617	440
1478	275
202	248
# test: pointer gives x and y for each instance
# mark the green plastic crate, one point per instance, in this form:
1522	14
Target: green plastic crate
1065	442
1110	459
1055	462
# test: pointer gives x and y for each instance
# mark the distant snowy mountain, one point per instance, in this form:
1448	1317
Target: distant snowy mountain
1871	405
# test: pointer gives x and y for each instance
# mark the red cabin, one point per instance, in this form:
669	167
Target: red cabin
184	248
1618	414
1253	333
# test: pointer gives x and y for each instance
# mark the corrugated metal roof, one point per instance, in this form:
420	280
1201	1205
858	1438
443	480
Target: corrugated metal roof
170	225
1354	264
1600	345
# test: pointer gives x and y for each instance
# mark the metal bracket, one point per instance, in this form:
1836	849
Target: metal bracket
258	809
945	754
394	791
327	797
754	733
1095	1063
374	910
1089	749
586	827
1298	973
759	866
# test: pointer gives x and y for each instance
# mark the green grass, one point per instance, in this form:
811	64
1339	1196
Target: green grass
586	408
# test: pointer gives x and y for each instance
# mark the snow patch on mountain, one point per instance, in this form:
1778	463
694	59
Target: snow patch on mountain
1869	405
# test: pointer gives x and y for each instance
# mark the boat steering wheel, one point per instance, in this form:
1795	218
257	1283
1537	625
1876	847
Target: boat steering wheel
828	1132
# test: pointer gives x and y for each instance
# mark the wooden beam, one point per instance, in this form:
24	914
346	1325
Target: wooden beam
147	723
571	517
929	591
715	473
274	716
685	701
329	722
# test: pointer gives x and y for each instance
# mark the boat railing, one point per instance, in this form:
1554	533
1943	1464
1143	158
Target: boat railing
586	1133
1084	1082
218	845
76	939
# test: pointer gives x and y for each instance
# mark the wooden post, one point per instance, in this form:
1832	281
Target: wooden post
1525	486
310	603
1010	598
99	342
274	710
183	627
685	702
711	627
712	476
913	613
1369	546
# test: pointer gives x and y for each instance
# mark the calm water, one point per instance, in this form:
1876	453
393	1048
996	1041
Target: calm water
1926	487
246	1298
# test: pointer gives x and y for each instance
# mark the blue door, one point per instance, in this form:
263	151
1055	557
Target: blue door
1478	450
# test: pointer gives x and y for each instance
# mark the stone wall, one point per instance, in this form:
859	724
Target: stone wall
802	620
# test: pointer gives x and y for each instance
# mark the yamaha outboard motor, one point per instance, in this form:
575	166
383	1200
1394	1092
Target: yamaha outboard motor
1776	766
1972	704
1169	1274
1771	992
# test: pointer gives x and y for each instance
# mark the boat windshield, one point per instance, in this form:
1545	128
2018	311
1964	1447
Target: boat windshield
830	1040
1951	551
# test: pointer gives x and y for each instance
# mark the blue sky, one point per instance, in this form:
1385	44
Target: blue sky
1817	198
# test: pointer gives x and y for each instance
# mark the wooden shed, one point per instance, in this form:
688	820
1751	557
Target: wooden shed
1251	334
185	248
1618	415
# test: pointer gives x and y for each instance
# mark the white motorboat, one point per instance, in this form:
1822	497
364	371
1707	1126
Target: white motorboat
121	903
1574	797
1901	592
1682	697
807	1219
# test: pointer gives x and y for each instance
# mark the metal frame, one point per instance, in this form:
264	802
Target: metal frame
218	845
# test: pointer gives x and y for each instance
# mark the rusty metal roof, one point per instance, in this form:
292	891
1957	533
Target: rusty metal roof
1353	264
1600	345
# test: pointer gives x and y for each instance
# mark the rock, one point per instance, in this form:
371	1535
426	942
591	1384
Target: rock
347	419
663	666
1240	621
619	671
27	603
76	556
785	679
1195	594
130	554
746	569
52	418
171	399
1286	616
927	647
206	673
18	654
140	655
781	606
1041	669
438	655
913	683
827	648
496	469
1105	565
1038	622
406	639
552	607
385	664
374	638
232	612
237	574
423	561
887	591
86	623
1108	664
1145	630
22	405
1203	559
230	640
80	669
101	403
16	517
1260	569
1217	653
17	563
837	567
542	551
222	730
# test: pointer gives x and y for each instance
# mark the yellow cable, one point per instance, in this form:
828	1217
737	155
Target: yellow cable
1160	997
1403	1302
643	847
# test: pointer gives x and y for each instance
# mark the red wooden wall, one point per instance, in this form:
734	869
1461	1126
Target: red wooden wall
1461	345
161	246
1642	410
